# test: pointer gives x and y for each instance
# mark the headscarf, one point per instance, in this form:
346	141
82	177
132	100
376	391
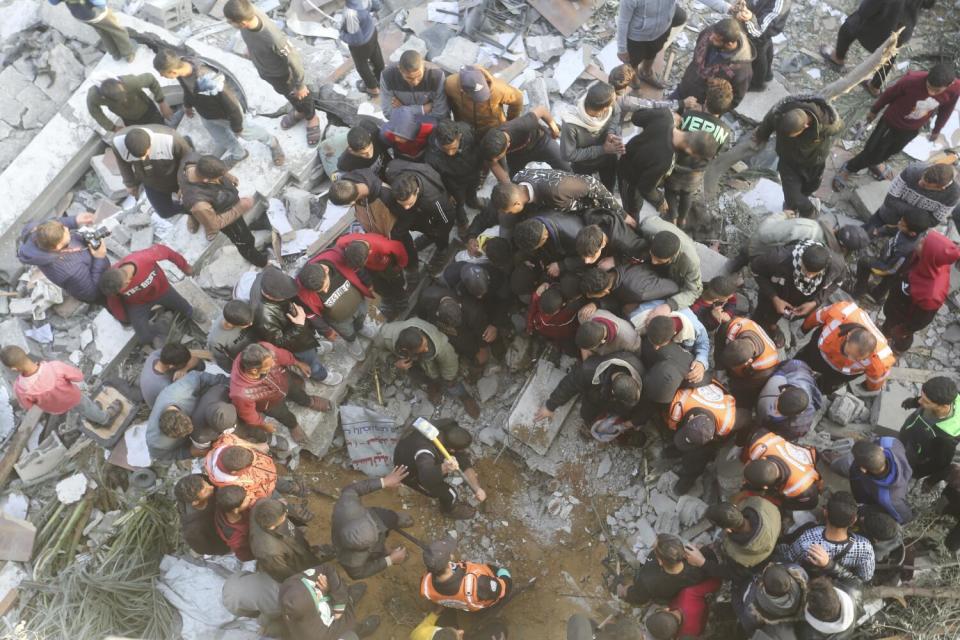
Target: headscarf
577	115
929	277
804	283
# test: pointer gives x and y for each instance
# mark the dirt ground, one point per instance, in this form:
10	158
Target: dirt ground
566	570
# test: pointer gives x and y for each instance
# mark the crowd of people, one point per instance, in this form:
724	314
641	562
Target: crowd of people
658	351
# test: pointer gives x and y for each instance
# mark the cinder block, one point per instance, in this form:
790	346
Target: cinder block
198	298
110	180
42	460
17	536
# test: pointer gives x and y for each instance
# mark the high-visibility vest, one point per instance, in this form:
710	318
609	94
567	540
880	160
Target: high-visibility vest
466	597
766	360
258	480
876	366
802	462
712	398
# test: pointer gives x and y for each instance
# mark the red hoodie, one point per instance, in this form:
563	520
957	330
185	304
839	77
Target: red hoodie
909	106
149	282
311	299
929	277
384	252
251	396
559	328
411	149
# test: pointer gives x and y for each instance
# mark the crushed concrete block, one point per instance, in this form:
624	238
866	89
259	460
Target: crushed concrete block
487	387
491	436
869	197
111	182
712	263
423	409
42	460
952	332
518	354
320	426
845	409
111	336
141	239
756	104
766	195
136	220
10	578
569	68
17	536
537	94
105	209
539	435
298	202
66	73
12	332
887	412
413	43
606	464
668	523
222	269
662	503
691	510
198	299
458	52
71	489
436	37
545	48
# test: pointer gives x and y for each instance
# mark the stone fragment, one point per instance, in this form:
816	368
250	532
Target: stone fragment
869	196
66	74
887	413
491	436
298	203
423	409
487	387
545	48
111	336
413	43
756	104
12	330
17	536
458	52
643	540
691	510
605	465
44	459
537	94
952	333
141	239
845	409
198	299
220	272
436	37
111	182
662	503
10	578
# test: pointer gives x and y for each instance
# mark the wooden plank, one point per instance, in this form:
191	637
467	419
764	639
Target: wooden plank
17	443
564	15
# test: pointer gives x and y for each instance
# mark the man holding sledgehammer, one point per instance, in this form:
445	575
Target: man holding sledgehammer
432	451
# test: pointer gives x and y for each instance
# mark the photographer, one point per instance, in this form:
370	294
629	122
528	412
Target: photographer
64	257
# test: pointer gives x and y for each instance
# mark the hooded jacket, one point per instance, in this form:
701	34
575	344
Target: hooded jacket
431	89
649	156
149	281
358	533
621	335
251	397
159	171
774	272
208	91
762	610
359	23
685	269
634	284
929	276
484	115
890	491
777	230
313	300
310	614
460	172
591	379
214	205
73	269
812	147
851	608
433	206
581	140
271	324
795	373
280	552
761	544
561	244
736	66
440	363
404	124
906	196
384	253
623	242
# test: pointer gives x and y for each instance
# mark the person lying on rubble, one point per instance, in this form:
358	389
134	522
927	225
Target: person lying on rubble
466	586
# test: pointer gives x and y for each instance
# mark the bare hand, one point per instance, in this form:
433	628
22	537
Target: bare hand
553	270
623	56
301	92
395	103
490	333
179	373
542	414
298	317
188	270
165	110
818	556
321	582
481	495
612	145
246	203
696	372
269	428
664	207
84	219
304	368
134	191
189	112
395	477
427	107
398	555
693	556
99	252
933	137
473	248
449	466
690	102
745	15
543	287
780	305
630	221
805	309
554	130
404	363
719	315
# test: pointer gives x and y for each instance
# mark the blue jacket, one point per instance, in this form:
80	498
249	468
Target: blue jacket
358	14
890	492
73	269
184	395
84	10
797	374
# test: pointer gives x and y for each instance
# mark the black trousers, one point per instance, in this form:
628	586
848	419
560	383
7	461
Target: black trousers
368	59
762	64
241	237
606	170
798	184
298	393
884	142
903	318
846	36
645	51
864	271
829	380
304	106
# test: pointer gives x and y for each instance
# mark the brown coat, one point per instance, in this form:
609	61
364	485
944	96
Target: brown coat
484	115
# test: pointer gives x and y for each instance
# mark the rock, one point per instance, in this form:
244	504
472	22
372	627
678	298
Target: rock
691	510
868	197
756	104
221	271
413	43
605	465
17	536
886	412
487	387
110	179
298	203
845	409
60	18
141	239
436	37
491	436
952	333
666	481
423	409
668	523
12	330
19	16
457	52
662	503
66	72
545	48
537	93
518	355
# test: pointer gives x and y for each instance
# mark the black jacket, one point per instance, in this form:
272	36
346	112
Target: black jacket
270	322
358	533
634	284
301	615
649	156
281	552
460	172
812	147
468	337
774	273
592	378
496	303
807	632
561	244
424	461
198	529
381	156
433	210
208	91
623	242
874	20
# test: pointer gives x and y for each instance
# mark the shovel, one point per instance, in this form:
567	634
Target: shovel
431	433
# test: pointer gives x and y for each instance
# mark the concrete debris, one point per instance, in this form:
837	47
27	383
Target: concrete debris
72	488
65	74
13	333
17	536
518	354
457	52
642	542
536	92
487	387
604	467
141	239
545	48
868	197
887	414
423	409
111	336
756	104
41	461
199	300
413	43
571	64
15	505
712	263
10	578
691	510
105	166
539	435
846	408
662	503
766	195
220	273
491	436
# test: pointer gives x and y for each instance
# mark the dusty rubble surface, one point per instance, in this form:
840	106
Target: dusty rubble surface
548	516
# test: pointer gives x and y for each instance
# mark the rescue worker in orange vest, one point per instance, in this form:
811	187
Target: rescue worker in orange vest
845	345
700	419
466	586
782	472
749	357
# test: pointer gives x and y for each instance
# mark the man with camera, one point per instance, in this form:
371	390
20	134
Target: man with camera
69	257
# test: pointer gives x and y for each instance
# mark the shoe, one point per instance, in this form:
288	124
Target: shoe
404	520
651	80
369	330
324	347
776	335
114	409
471	406
233	161
366	628
333	379
461	511
279	444
683	485
356	591
355	349
317	404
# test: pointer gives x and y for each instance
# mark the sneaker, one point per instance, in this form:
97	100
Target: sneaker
279	444
356	591
113	410
461	511
366	628
355	349
317	404
683	485
333	379
324	347
471	406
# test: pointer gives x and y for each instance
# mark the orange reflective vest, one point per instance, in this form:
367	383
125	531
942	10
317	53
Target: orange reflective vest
766	360
712	398
876	367
466	598
258	480
801	460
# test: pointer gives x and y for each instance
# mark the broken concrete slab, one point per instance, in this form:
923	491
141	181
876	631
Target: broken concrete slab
691	510
868	198
42	461
756	104
571	64
887	414
17	536
545	48
766	195
111	336
457	52
198	299
536	93
712	263
846	408
539	435
141	239
10	578
111	182
66	73
59	17
566	17
413	43
12	330
487	387
436	37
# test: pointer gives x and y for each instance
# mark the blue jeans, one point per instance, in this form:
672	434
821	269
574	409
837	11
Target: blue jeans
312	358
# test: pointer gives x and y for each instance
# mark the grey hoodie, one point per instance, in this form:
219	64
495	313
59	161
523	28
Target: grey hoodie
579	145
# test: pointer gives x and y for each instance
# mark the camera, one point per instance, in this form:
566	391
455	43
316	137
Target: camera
93	237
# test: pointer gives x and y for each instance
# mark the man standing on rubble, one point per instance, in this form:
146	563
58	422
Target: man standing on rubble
149	156
409	83
277	62
126	97
477	98
642	30
98	15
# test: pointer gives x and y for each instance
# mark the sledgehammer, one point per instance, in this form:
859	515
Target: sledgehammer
431	433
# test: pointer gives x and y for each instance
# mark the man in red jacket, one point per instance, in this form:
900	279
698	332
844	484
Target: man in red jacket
136	283
260	385
384	260
910	103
